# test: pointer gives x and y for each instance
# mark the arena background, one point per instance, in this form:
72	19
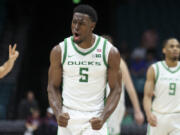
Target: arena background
36	26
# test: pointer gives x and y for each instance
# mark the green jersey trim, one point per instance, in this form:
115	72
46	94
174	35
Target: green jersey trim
104	53
157	75
65	51
169	69
85	53
108	131
148	130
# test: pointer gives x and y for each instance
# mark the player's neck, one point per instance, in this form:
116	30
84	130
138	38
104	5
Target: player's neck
171	63
88	42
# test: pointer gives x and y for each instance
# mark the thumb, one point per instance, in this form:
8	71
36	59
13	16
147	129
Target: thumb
67	115
92	119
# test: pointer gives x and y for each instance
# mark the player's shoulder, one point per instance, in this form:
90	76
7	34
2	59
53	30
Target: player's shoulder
56	50
152	69
114	54
107	42
155	64
63	42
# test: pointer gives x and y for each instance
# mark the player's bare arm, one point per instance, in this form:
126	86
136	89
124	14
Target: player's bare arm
8	65
114	79
148	94
138	115
54	81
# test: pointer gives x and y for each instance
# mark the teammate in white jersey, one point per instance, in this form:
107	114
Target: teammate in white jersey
83	63
163	83
8	65
114	121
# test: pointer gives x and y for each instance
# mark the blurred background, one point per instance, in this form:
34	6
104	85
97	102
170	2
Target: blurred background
138	28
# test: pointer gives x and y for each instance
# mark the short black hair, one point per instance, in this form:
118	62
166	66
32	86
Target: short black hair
87	9
166	41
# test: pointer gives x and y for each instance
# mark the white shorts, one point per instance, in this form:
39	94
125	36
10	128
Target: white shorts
115	119
167	124
79	124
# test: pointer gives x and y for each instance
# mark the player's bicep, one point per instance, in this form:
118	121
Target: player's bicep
149	84
55	69
113	67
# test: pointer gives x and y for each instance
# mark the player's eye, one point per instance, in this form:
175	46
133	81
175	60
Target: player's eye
74	21
171	46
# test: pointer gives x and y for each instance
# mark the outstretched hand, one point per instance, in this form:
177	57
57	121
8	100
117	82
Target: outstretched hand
13	53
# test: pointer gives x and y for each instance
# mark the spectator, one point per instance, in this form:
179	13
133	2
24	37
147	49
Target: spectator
144	54
49	125
138	64
150	58
26	106
150	40
32	123
125	51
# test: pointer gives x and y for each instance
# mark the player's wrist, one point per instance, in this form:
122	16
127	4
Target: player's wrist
10	61
148	113
137	111
102	117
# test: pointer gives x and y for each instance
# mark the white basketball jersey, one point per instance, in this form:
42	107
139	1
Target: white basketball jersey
84	74
167	88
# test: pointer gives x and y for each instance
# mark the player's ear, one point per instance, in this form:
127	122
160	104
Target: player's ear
93	25
163	50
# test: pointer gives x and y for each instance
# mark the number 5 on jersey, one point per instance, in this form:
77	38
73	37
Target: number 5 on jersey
83	74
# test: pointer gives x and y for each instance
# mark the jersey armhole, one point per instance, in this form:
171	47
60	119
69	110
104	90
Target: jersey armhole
65	51
104	53
156	72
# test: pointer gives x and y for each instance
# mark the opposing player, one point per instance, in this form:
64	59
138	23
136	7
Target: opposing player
114	121
8	65
83	63
163	83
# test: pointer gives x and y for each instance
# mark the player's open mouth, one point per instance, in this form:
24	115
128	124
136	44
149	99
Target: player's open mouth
76	36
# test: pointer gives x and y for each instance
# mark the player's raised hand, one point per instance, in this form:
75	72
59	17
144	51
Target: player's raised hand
96	123
13	53
139	117
152	120
63	119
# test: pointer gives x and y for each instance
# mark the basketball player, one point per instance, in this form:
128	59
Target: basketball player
83	63
114	121
8	65
163	83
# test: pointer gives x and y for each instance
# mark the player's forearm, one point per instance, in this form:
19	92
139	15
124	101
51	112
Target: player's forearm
134	98
6	68
111	103
129	86
147	102
55	99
